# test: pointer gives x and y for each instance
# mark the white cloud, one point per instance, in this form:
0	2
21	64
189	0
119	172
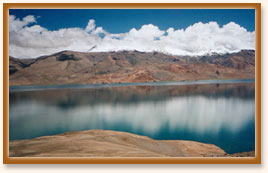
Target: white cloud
147	32
30	41
91	25
35	28
16	24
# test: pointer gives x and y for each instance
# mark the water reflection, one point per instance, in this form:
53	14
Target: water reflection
219	114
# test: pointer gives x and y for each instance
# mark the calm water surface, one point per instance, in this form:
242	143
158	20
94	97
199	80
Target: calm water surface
218	113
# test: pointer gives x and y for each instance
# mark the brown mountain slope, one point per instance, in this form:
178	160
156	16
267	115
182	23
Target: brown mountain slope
69	67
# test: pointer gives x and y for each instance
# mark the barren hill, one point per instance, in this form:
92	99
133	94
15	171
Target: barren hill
105	143
69	67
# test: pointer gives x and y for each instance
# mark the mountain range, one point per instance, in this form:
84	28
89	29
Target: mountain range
69	67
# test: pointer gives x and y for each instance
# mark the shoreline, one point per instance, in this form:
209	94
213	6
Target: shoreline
107	143
14	88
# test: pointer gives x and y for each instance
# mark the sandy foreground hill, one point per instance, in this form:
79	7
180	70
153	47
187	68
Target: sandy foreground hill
69	67
105	143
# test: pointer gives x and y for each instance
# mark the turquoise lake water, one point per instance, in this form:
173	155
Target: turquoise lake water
216	112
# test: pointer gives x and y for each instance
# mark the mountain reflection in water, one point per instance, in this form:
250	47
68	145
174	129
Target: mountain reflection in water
221	114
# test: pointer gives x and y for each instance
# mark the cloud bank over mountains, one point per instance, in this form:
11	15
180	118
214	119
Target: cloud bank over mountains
27	39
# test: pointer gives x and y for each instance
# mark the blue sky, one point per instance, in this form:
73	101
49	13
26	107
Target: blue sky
122	20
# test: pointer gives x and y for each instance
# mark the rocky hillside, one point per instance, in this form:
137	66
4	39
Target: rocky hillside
69	67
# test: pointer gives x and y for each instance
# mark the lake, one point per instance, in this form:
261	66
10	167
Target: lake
215	112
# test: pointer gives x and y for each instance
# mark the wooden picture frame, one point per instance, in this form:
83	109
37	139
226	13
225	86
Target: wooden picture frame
132	160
